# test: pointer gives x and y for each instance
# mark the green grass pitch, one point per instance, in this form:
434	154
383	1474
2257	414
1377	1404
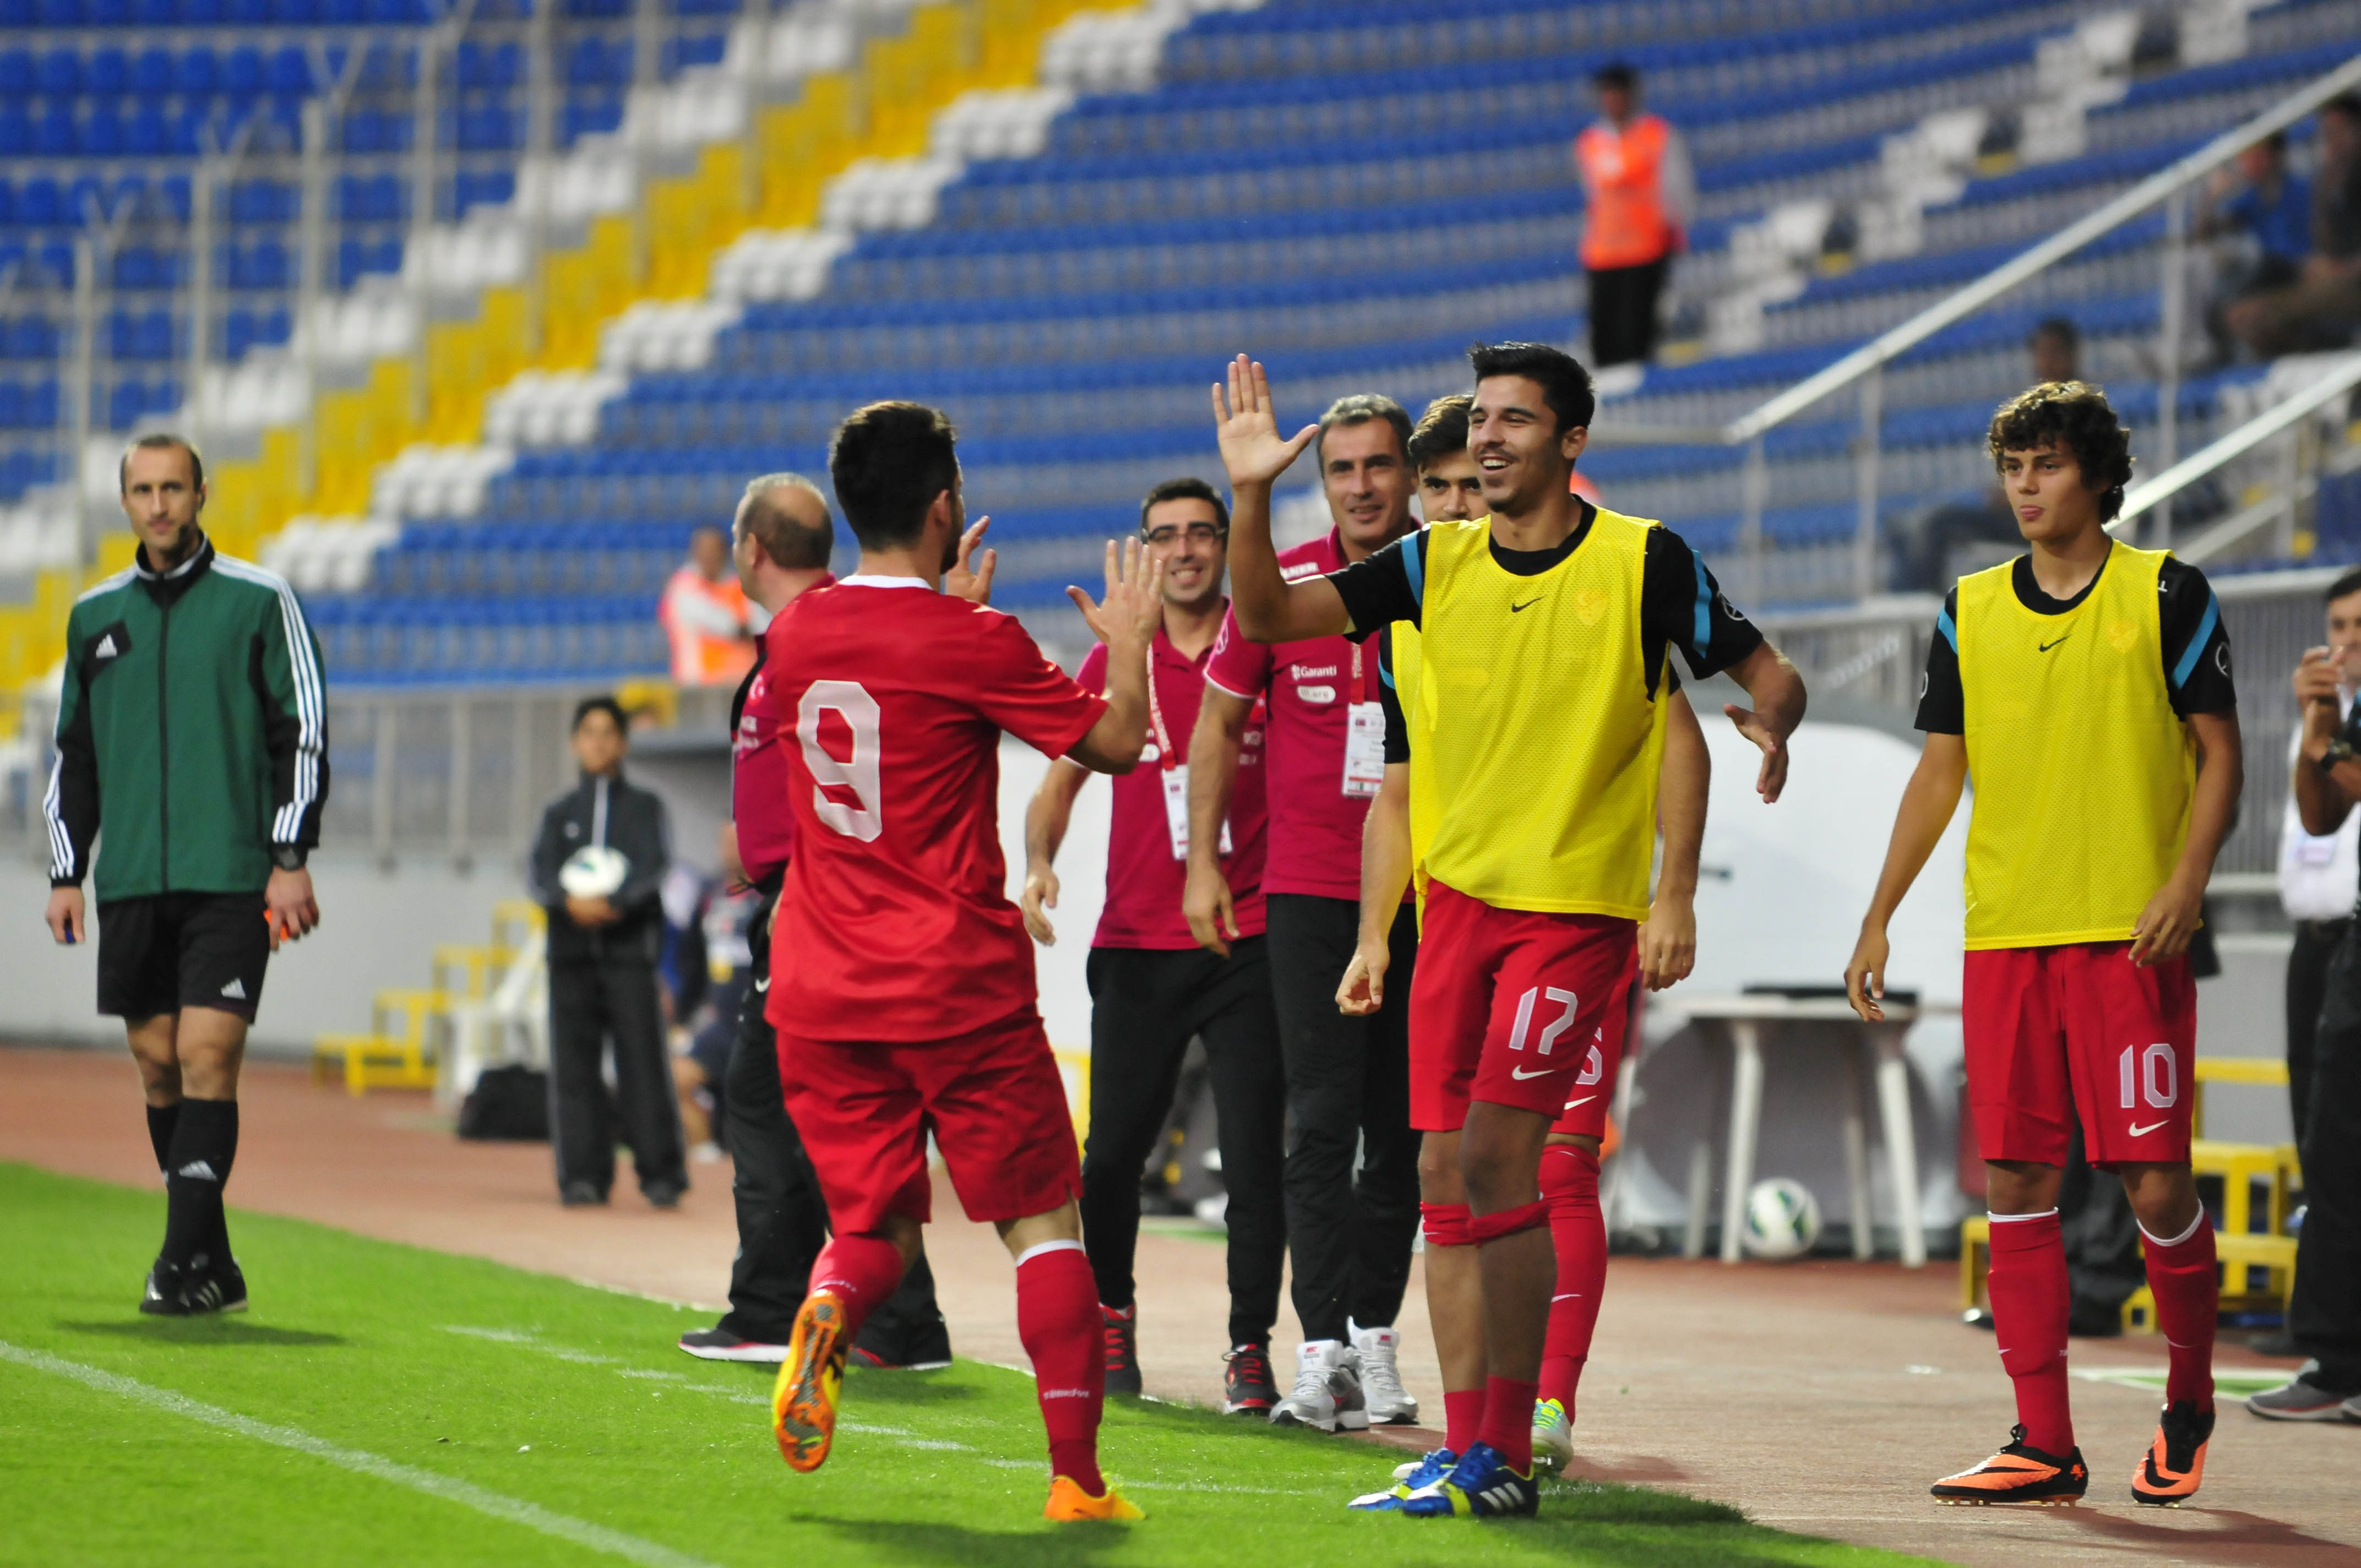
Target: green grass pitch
387	1404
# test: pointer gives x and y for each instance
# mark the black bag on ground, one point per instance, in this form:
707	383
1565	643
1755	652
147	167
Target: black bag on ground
507	1103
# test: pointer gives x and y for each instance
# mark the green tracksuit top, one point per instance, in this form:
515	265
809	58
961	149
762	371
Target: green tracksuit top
192	731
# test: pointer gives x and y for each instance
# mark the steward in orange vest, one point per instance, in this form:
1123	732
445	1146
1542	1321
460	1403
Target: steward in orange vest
1638	191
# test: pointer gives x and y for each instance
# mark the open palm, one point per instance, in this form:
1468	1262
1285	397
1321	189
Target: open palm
1246	425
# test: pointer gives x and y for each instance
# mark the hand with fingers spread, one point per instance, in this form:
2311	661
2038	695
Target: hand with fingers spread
1772	778
1127	618
1246	425
970	576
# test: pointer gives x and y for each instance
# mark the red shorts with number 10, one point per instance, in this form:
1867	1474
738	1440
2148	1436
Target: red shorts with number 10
2060	1033
1507	1007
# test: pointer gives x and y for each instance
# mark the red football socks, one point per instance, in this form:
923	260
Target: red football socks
1509	1421
1463	1415
1570	1187
861	1272
2029	1294
1057	1321
2188	1300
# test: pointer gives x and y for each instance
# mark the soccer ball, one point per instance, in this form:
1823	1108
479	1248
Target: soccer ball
1782	1220
593	870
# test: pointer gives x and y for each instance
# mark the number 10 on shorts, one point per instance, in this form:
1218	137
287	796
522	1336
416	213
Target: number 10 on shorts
2152	1072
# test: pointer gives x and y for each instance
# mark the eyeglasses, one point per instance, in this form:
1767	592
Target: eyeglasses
1198	533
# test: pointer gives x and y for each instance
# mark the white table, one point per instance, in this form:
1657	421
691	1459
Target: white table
1742	1018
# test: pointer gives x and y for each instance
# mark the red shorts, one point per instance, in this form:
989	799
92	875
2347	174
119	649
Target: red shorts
2056	1032
991	1098
1593	1087
1506	1007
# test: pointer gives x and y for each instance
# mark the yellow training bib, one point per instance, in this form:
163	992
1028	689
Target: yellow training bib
1535	724
2081	770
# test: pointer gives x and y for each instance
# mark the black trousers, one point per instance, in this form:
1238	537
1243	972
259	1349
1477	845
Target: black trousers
783	1220
2325	1318
1146	1004
1348	1097
1624	312
590	1005
2316	942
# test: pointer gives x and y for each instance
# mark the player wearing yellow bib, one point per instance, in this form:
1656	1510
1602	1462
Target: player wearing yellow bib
2085	688
1545	635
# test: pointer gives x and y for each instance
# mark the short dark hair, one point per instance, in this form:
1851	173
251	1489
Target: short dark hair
1616	74
2350	583
159	441
2345	103
606	704
2059	327
791	545
1186	488
1565	385
1442	430
889	462
1360	408
2076	417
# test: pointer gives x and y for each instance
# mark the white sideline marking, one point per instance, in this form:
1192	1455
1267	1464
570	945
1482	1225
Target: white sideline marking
581	1532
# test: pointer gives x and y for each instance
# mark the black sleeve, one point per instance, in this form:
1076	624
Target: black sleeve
1942	702
71	803
1397	727
2196	642
1681	604
1385	586
548	855
649	854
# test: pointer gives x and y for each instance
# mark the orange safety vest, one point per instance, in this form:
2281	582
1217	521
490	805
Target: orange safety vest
701	657
1622	175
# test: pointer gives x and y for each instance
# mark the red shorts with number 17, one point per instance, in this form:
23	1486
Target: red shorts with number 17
1507	1007
2060	1033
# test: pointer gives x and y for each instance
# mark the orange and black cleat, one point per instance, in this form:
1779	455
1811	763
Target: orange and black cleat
2169	1472
802	1401
2019	1475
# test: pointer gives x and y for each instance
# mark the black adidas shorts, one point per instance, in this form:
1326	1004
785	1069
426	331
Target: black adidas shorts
181	949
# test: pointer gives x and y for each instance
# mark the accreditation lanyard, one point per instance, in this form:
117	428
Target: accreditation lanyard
1365	738
1174	770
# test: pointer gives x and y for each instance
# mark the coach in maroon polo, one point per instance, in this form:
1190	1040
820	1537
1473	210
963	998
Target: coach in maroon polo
1347	1078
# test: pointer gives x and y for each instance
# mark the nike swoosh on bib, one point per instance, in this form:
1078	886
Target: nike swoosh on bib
2047	646
1527	604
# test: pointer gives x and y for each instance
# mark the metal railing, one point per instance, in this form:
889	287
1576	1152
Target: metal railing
1862	370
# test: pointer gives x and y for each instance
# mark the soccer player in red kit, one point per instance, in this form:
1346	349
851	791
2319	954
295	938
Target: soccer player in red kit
901	977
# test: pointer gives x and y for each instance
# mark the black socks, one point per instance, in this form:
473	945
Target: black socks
203	1144
161	1120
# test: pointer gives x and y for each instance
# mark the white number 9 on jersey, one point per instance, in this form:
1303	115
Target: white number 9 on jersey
851	702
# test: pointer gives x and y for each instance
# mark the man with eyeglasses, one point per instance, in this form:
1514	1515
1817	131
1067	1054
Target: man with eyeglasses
1153	988
1347	1077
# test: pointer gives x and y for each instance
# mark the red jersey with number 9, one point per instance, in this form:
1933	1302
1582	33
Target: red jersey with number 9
894	923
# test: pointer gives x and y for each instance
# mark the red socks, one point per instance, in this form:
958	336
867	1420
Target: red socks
1509	1421
861	1272
2188	1302
2029	1294
1570	1187
1462	1414
1058	1321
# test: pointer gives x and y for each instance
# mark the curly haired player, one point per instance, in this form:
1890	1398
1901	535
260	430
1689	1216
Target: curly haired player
2085	685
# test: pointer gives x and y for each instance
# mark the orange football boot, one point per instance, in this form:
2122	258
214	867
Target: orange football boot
1068	1504
2019	1473
2175	1463
802	1401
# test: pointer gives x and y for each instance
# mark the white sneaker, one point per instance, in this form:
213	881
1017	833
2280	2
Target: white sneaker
1327	1392
1389	1404
1552	1436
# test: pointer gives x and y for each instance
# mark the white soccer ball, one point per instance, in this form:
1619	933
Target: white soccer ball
593	870
1782	1219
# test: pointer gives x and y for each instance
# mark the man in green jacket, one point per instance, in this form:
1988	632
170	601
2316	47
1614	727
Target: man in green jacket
192	707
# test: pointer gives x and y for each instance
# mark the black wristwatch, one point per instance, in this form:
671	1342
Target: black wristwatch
2340	750
291	857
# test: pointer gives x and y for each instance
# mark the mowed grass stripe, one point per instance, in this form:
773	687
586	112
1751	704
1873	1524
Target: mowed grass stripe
581	1532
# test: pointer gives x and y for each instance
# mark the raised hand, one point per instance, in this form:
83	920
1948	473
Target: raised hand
1772	778
1246	425
972	582
1126	620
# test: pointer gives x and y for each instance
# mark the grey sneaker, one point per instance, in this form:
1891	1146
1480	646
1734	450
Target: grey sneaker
1389	1404
2352	1408
2300	1400
1327	1392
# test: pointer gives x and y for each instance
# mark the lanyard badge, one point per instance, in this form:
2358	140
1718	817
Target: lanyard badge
1175	772
1364	739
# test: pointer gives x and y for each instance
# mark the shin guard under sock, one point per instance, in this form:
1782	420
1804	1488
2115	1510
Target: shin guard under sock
1578	1231
1058	1322
1463	1418
861	1272
2029	1297
1509	1421
2188	1302
205	1144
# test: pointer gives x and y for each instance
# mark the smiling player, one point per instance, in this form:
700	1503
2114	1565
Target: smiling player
2075	684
